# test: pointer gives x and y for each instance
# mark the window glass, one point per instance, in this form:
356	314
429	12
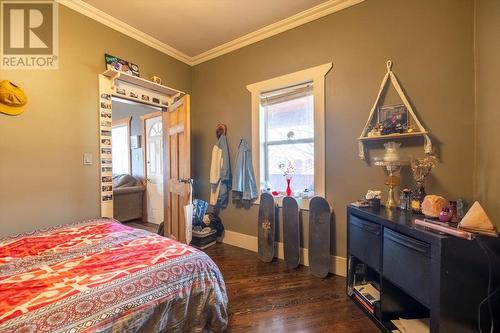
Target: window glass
291	118
289	141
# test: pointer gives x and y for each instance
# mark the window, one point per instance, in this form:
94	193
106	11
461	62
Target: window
288	140
288	128
120	141
154	148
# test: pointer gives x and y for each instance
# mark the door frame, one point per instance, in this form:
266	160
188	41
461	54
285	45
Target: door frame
144	161
107	90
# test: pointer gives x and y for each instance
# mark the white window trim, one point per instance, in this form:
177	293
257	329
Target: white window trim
317	76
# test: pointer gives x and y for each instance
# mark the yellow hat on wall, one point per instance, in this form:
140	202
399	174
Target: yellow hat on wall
12	98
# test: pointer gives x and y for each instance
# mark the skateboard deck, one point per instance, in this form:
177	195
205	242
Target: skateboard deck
266	227
319	237
291	236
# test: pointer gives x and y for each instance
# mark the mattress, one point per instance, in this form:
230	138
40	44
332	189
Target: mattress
102	276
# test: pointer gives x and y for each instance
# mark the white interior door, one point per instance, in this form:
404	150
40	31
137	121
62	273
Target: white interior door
154	170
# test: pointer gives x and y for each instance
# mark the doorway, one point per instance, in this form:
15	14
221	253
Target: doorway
137	163
169	152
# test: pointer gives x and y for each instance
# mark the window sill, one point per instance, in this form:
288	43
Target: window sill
278	199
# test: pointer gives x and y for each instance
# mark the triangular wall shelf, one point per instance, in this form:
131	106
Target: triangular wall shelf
420	131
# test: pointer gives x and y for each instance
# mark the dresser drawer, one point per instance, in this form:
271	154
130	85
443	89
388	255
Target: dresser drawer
407	263
364	241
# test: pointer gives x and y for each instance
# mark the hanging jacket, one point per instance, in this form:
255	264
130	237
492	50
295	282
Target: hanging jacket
220	174
244	185
215	167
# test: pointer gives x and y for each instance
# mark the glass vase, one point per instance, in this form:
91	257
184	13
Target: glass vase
288	188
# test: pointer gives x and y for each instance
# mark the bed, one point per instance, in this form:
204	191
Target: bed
102	276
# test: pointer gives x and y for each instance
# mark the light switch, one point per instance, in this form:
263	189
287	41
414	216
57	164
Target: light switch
87	159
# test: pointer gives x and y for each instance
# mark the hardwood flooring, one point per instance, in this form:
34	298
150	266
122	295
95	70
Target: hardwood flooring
268	297
152	227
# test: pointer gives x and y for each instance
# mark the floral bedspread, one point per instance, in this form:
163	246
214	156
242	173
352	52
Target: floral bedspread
102	276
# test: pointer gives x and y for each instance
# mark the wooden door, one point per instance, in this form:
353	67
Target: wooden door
177	166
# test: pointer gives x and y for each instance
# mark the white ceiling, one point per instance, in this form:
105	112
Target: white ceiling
194	31
196	26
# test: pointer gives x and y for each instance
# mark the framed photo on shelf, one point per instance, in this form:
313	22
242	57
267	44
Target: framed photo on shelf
392	119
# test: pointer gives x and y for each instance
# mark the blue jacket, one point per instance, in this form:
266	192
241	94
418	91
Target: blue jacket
244	185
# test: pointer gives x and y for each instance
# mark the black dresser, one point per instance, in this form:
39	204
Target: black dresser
420	273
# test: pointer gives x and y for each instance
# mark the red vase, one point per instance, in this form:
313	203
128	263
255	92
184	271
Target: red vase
288	189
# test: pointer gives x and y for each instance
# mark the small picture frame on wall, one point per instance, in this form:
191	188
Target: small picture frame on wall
107	197
392	119
107	188
135	141
106	151
106	179
106	169
105	115
106	96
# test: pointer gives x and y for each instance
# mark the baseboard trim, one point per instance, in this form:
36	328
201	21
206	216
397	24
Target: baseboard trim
338	265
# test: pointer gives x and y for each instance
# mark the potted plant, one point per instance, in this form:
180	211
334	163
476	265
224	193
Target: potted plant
421	168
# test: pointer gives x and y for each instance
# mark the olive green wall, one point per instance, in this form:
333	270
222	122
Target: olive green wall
431	45
487	186
42	178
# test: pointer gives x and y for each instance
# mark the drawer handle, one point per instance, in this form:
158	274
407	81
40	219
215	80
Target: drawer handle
367	227
407	242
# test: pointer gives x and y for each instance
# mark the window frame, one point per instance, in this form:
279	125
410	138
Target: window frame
316	75
125	122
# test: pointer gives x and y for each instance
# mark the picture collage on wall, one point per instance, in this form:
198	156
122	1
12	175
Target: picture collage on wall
105	147
139	94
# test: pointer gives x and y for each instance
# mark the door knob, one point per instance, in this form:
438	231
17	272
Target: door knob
186	180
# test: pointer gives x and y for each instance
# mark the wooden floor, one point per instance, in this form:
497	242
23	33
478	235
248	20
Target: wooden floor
268	297
152	227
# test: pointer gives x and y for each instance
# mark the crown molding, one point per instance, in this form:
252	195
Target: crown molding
120	26
306	16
